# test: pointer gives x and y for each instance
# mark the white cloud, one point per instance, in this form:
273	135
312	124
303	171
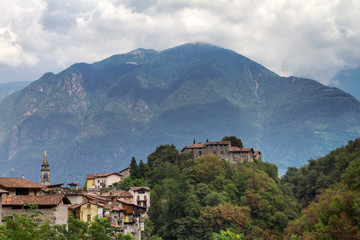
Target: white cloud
304	38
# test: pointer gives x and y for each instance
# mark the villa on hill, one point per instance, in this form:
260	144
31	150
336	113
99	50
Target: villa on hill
223	150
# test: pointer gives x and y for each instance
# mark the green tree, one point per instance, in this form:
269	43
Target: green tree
143	169
163	153
234	141
228	235
134	169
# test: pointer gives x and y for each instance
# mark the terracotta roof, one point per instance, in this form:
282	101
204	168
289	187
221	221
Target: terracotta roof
119	193
196	145
93	176
236	149
76	205
18	183
90	176
203	145
40	200
218	143
256	153
3	191
138	188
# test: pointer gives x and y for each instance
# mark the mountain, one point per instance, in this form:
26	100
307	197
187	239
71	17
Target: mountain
349	81
8	88
93	118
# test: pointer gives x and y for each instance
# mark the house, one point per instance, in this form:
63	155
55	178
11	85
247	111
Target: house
141	196
2	191
86	210
223	150
90	181
20	186
73	186
104	180
52	207
125	172
120	194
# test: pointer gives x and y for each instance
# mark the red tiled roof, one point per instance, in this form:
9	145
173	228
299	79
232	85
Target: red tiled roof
90	176
138	188
6	182
256	153
196	145
236	149
3	191
218	143
40	200
104	174
118	193
203	145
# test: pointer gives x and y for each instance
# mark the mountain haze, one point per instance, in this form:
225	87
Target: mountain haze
94	117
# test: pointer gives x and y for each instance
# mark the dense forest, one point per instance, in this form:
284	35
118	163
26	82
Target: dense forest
193	199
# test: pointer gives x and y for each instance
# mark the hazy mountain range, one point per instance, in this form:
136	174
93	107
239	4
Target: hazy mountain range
349	80
94	117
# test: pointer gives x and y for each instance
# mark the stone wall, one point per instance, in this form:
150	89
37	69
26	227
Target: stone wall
56	215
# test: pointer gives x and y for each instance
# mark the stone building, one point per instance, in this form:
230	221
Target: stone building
223	150
52	207
2	191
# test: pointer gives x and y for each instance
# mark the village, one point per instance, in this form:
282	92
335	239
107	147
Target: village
126	210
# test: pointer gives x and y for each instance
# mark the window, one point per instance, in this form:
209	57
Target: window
200	153
141	191
89	217
22	191
45	176
88	205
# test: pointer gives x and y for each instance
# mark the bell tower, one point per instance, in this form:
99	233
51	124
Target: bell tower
45	172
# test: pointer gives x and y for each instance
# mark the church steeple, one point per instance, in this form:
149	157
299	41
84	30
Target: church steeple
45	171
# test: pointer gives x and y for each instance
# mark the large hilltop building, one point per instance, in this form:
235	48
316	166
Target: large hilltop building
223	150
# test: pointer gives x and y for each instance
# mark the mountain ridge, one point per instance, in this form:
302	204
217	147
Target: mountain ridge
95	117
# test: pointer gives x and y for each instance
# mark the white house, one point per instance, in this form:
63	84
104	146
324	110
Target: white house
141	196
103	180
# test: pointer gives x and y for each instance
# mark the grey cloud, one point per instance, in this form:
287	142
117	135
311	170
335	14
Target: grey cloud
311	39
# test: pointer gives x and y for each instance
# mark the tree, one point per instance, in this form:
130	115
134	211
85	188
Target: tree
228	235
163	153
234	141
134	169
143	169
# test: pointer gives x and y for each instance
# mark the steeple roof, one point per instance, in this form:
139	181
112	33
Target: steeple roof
45	162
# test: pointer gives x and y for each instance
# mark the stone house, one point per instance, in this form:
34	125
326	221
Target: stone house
223	150
2	191
125	172
52	207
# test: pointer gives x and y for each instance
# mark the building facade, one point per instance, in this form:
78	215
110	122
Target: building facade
223	150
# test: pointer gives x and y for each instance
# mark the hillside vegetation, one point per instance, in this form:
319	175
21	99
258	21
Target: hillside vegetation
193	199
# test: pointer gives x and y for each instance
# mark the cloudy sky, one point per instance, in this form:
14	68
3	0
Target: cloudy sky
314	39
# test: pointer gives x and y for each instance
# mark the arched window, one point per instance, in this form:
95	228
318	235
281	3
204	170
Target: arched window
46	176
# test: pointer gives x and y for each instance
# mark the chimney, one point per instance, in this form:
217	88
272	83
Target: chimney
23	176
194	141
207	140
